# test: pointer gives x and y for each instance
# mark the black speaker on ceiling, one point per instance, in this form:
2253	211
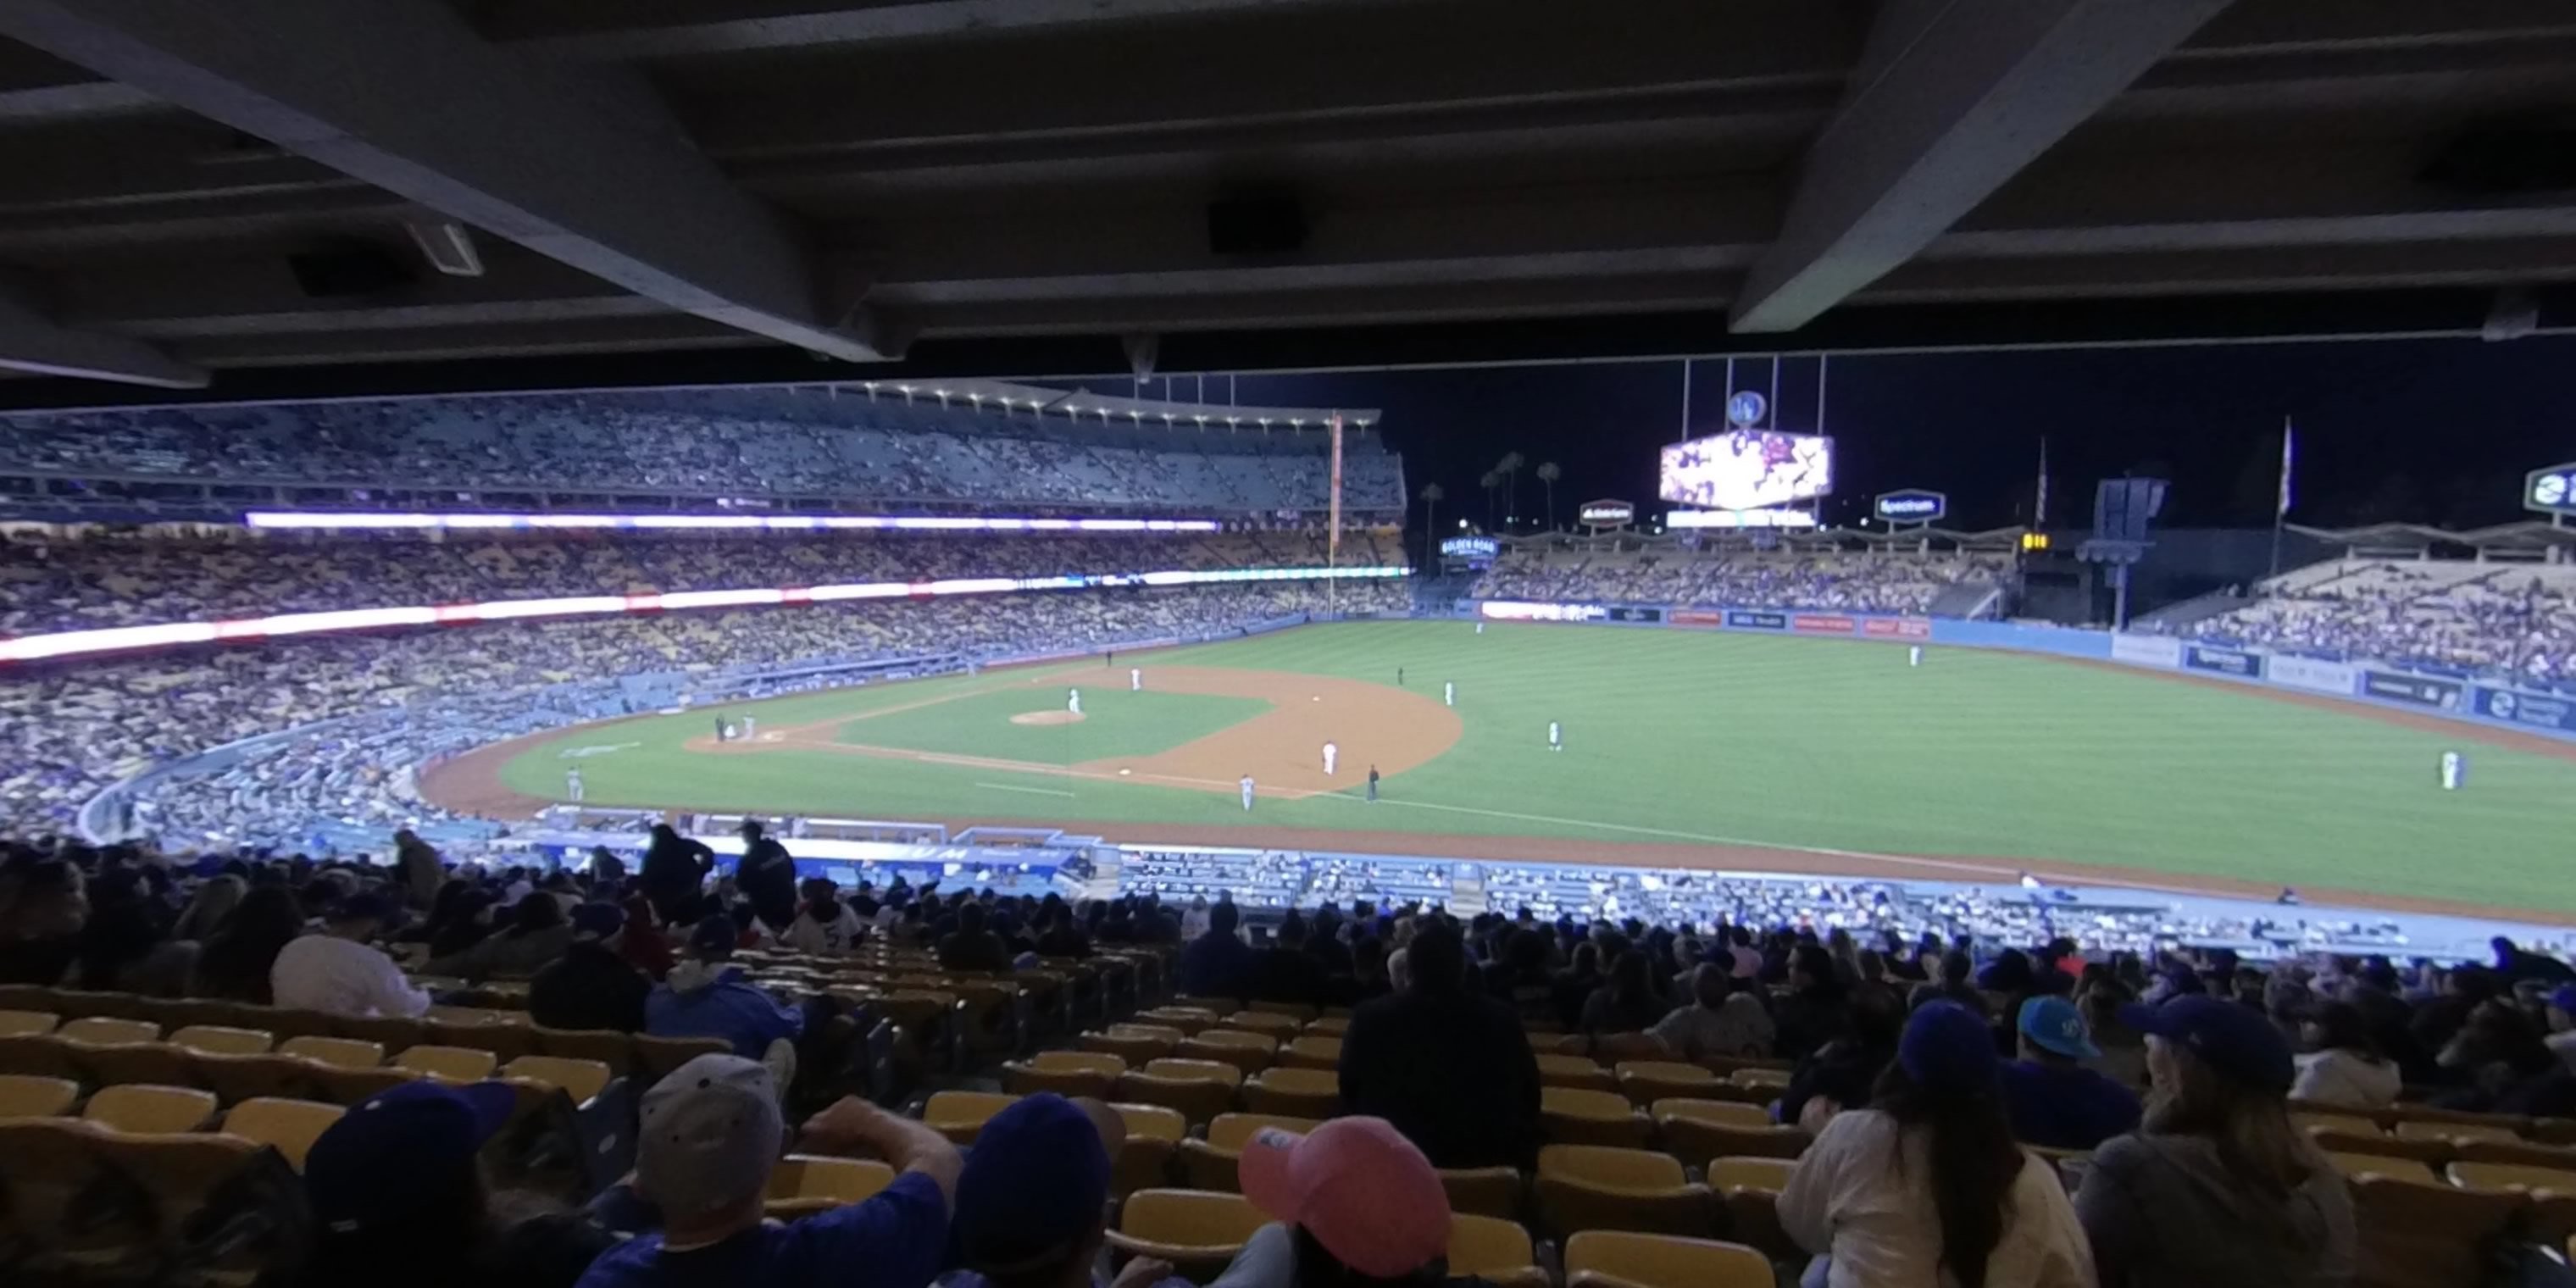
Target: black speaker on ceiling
344	268
1256	224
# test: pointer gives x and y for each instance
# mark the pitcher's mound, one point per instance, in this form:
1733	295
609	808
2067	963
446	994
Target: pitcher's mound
1047	717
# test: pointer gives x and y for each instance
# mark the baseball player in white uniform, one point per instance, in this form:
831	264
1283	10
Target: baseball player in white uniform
1914	655
2454	767
1135	679
572	785
1449	693
1555	736
1246	785
1332	753
1073	701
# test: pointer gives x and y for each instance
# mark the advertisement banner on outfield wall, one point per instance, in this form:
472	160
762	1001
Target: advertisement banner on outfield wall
1636	614
1903	628
2526	708
1694	617
1823	624
2146	650
1505	610
2308	673
2423	690
1758	621
2225	661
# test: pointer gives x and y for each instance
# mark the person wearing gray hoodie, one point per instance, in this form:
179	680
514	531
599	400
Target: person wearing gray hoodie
2216	1189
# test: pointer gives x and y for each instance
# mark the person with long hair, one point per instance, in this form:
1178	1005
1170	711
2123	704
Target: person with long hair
1926	1188
2216	1189
214	900
1628	1003
235	961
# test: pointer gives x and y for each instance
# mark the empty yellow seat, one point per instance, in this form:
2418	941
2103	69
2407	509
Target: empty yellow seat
28	1096
1230	1131
1591	1187
1493	1250
447	1063
1574	1071
103	1031
960	1115
142	1107
289	1125
1574	1116
1301	1093
339	1053
579	1079
1727	1113
1196	1070
27	1023
2470	1175
1079	1062
217	1039
1663	1261
1740	1173
1189	1228
804	1183
1152	1122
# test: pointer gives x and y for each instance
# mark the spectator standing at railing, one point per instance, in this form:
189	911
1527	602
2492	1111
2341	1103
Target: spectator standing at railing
416	864
1451	1069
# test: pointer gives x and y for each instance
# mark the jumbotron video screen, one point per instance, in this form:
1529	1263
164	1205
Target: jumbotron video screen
1747	470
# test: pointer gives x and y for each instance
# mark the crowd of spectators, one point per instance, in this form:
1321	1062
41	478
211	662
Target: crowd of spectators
1875	581
1923	1074
56	581
2509	621
1276	879
728	444
367	708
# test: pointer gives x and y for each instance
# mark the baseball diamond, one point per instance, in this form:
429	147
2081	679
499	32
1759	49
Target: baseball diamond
1712	750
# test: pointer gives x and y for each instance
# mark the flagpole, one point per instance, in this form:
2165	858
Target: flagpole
2281	506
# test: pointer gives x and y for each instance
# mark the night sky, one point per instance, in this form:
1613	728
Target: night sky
2430	430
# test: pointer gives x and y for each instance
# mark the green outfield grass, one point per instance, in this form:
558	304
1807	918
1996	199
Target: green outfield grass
1674	736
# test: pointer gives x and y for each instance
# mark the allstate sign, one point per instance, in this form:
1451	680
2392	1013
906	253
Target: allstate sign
1911	505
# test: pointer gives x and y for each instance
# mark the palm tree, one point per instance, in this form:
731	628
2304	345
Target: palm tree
1510	468
1493	479
1548	473
1432	495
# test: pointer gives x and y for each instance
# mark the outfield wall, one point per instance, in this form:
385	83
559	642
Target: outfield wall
2550	715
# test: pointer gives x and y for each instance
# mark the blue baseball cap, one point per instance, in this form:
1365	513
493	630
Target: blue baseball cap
2564	998
1035	1183
398	1152
2238	1041
2053	1024
1946	1046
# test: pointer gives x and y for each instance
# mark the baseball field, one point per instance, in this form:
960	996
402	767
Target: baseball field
1698	749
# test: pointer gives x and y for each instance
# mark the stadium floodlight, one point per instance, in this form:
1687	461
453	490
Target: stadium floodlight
129	639
392	520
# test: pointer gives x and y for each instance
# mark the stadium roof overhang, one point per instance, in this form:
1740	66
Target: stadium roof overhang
653	191
2524	537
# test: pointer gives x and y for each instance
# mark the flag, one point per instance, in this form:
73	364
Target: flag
2039	509
2288	447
